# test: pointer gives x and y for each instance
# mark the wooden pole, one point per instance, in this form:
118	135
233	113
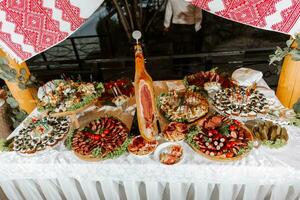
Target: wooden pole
25	97
288	90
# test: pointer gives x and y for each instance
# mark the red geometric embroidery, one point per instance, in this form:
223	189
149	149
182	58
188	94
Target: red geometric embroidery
254	12
16	48
290	16
35	23
71	13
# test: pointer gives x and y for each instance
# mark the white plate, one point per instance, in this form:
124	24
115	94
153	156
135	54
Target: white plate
162	146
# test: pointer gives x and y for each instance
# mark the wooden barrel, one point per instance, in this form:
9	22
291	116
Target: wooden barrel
288	90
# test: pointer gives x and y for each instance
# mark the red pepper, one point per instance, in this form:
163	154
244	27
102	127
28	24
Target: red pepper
232	127
214	132
106	131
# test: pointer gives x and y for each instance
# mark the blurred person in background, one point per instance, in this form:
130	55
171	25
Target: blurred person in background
183	21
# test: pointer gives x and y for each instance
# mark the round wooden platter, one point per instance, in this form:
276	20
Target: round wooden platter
222	158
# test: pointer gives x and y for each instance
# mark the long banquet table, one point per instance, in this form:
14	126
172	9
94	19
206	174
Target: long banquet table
59	174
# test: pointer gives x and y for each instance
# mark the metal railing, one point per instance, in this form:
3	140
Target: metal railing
92	66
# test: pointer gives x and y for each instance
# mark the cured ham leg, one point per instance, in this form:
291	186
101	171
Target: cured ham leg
144	95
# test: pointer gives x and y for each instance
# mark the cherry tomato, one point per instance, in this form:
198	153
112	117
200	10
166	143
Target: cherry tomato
106	131
229	155
217	136
232	127
91	136
109	85
97	137
237	122
230	144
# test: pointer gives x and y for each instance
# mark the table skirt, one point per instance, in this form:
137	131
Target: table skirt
73	189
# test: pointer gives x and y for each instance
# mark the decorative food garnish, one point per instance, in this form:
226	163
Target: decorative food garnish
171	154
199	79
220	138
102	138
40	134
118	91
69	95
241	101
184	106
212	86
139	146
175	131
270	134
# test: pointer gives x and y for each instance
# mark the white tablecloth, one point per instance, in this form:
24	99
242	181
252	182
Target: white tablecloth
59	174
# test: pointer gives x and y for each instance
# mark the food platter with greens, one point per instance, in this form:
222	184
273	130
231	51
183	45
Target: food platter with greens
186	106
62	96
40	134
268	133
220	139
103	138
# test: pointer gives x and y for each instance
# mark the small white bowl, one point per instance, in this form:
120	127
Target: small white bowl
162	146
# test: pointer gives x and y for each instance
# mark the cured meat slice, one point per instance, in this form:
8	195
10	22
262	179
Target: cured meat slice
147	105
146	111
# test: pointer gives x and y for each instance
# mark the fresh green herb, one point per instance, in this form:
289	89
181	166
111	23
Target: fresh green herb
85	101
224	130
100	87
280	53
68	141
193	131
96	152
5	145
295	120
241	151
168	117
296	107
277	144
119	151
88	129
246	149
206	139
250	145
